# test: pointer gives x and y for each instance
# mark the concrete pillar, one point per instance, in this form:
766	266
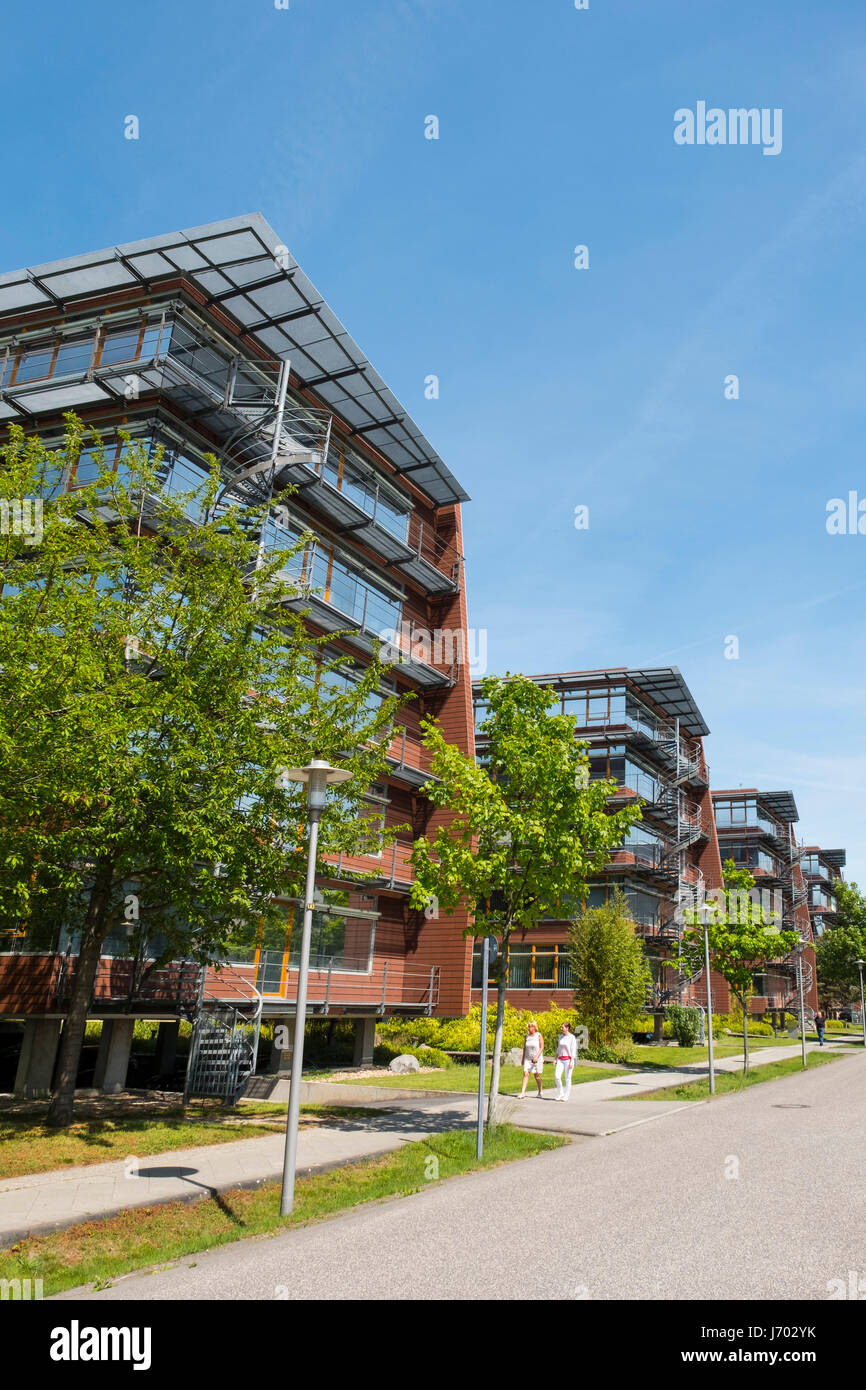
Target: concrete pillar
37	1058
365	1041
166	1047
112	1061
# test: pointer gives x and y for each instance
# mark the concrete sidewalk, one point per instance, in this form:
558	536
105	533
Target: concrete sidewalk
49	1201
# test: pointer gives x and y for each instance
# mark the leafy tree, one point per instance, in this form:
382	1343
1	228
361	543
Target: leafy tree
154	688
524	834
611	974
742	938
843	943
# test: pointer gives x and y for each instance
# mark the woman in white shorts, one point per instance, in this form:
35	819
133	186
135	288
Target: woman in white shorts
533	1057
566	1052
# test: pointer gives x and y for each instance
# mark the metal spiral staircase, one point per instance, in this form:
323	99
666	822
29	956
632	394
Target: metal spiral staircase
225	1039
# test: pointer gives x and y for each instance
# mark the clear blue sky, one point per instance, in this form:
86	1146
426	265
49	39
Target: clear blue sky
559	387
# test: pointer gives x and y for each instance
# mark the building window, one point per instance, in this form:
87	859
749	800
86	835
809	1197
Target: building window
530	967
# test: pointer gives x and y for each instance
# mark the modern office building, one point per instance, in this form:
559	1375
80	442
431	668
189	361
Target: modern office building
756	830
211	341
822	869
646	732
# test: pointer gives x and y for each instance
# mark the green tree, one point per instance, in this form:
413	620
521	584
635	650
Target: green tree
611	974
742	938
842	944
154	689
524	833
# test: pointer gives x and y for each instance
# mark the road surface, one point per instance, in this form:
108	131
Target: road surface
758	1195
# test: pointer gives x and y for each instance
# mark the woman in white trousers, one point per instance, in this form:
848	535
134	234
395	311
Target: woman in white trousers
566	1054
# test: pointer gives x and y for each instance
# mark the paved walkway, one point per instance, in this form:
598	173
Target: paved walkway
50	1201
723	1201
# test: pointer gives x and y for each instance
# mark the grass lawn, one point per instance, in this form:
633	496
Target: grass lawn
649	1056
28	1146
465	1078
98	1251
735	1081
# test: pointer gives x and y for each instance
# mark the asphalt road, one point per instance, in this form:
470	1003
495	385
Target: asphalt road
650	1213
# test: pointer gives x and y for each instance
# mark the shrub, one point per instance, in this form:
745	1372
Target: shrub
463	1034
685	1024
427	1056
623	1051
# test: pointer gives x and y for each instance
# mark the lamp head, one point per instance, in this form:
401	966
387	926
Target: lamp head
318	775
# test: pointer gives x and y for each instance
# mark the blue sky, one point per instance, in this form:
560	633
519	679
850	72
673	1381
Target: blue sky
559	387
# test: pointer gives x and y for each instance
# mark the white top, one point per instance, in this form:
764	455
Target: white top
532	1046
566	1047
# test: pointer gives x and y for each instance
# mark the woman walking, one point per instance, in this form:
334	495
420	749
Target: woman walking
533	1057
566	1053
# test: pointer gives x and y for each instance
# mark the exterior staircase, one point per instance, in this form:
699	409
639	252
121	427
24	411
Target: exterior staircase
225	1039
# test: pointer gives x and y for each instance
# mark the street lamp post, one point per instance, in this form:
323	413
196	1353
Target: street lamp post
800	950
860	965
705	918
318	776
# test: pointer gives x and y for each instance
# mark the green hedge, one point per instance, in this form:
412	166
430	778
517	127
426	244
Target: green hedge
385	1053
464	1034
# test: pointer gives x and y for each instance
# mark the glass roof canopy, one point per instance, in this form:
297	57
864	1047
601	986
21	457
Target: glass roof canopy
664	685
242	267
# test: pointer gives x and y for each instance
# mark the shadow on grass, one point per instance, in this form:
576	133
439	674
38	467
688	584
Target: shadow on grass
187	1175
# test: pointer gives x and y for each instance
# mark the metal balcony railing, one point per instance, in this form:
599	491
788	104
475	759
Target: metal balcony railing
380	983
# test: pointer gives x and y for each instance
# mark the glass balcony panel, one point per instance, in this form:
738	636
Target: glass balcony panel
34	366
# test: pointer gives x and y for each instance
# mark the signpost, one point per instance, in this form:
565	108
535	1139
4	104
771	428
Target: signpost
489	952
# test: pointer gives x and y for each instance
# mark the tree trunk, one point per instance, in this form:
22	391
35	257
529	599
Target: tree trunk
497	1036
745	1037
60	1112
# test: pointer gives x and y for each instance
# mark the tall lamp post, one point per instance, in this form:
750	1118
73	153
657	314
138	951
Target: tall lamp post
860	965
705	919
318	776
800	949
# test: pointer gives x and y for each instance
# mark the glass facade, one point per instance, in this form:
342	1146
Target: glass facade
140	340
750	857
540	966
361	486
646	846
734	813
56	357
811	864
819	897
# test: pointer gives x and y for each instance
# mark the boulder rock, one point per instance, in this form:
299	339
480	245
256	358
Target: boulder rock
514	1058
403	1064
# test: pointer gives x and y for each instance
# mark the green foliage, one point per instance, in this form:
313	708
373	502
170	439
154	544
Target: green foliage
151	696
622	1051
464	1034
837	951
610	970
685	1024
524	833
741	939
428	1056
